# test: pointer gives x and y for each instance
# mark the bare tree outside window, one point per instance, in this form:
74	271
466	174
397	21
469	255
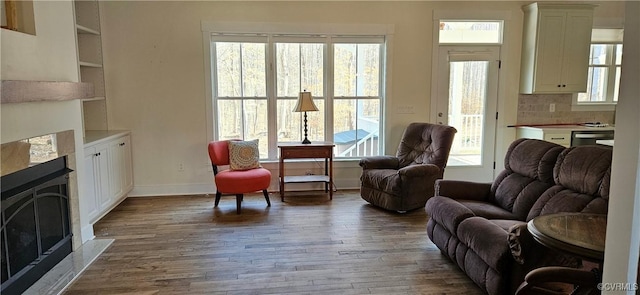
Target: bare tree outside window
241	100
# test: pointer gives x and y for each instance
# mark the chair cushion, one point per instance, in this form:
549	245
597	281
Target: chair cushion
244	155
386	180
242	181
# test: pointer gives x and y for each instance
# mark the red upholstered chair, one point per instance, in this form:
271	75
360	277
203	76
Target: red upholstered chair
237	182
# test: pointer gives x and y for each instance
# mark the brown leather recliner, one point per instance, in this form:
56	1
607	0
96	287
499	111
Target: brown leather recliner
405	182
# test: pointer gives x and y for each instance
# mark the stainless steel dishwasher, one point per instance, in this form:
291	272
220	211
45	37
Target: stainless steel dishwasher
585	137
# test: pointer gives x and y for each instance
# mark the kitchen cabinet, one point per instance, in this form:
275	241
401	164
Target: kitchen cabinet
555	48
109	173
561	136
565	134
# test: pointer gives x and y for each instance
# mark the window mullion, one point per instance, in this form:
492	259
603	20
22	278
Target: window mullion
329	89
611	72
272	103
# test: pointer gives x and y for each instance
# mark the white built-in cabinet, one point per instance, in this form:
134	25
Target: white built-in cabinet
555	48
89	41
107	153
109	175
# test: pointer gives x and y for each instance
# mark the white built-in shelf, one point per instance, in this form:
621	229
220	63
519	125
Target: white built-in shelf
84	30
90	64
306	178
94	98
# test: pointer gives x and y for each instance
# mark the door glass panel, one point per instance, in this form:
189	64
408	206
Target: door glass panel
467	100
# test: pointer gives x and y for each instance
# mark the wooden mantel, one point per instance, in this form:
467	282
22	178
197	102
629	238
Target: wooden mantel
16	91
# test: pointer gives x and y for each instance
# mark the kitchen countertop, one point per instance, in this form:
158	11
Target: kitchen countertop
608	142
577	127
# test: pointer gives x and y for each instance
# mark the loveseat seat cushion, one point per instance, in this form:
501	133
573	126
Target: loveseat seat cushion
487	210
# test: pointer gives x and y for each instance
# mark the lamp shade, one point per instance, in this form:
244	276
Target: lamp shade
305	103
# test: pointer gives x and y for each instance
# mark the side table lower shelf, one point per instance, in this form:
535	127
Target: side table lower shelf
322	150
306	178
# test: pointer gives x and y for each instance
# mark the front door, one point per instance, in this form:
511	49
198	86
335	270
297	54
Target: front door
467	95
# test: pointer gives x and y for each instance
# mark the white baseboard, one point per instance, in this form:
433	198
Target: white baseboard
201	188
172	189
87	233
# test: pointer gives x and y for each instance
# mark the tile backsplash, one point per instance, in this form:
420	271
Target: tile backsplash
534	109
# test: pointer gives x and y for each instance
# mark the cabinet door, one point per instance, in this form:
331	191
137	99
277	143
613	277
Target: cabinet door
115	162
549	57
575	66
91	190
103	175
127	181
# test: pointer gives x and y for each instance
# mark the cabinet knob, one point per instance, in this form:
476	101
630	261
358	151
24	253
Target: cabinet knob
559	85
96	154
564	85
440	114
122	144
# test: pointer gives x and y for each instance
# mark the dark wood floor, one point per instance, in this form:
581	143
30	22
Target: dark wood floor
306	245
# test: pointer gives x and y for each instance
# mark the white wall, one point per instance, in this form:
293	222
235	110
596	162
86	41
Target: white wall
154	69
50	55
623	227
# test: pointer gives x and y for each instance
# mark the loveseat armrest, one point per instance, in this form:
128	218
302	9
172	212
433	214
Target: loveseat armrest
379	162
463	190
419	170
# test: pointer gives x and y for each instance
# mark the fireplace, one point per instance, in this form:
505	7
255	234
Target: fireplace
36	226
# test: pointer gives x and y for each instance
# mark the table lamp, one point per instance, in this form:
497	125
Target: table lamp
305	104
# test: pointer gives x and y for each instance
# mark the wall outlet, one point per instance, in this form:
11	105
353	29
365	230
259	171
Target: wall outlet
552	107
180	167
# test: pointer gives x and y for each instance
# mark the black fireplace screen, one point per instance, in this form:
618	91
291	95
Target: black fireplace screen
36	230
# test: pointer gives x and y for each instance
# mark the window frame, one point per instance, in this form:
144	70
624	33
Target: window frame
611	38
276	33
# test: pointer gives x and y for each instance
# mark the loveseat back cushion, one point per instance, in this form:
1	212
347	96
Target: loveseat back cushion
585	169
424	143
529	165
582	176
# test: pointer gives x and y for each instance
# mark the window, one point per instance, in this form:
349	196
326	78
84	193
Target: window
604	74
471	32
256	80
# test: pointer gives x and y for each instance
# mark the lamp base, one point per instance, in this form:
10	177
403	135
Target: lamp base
306	141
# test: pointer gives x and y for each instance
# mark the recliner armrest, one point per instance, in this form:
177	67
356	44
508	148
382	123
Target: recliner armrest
379	162
419	170
463	190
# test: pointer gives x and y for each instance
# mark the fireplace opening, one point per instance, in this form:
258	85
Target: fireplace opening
36	228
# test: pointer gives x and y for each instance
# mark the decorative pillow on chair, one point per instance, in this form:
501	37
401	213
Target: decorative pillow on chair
244	155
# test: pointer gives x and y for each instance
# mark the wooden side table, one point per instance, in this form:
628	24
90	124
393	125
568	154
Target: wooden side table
313	150
580	234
